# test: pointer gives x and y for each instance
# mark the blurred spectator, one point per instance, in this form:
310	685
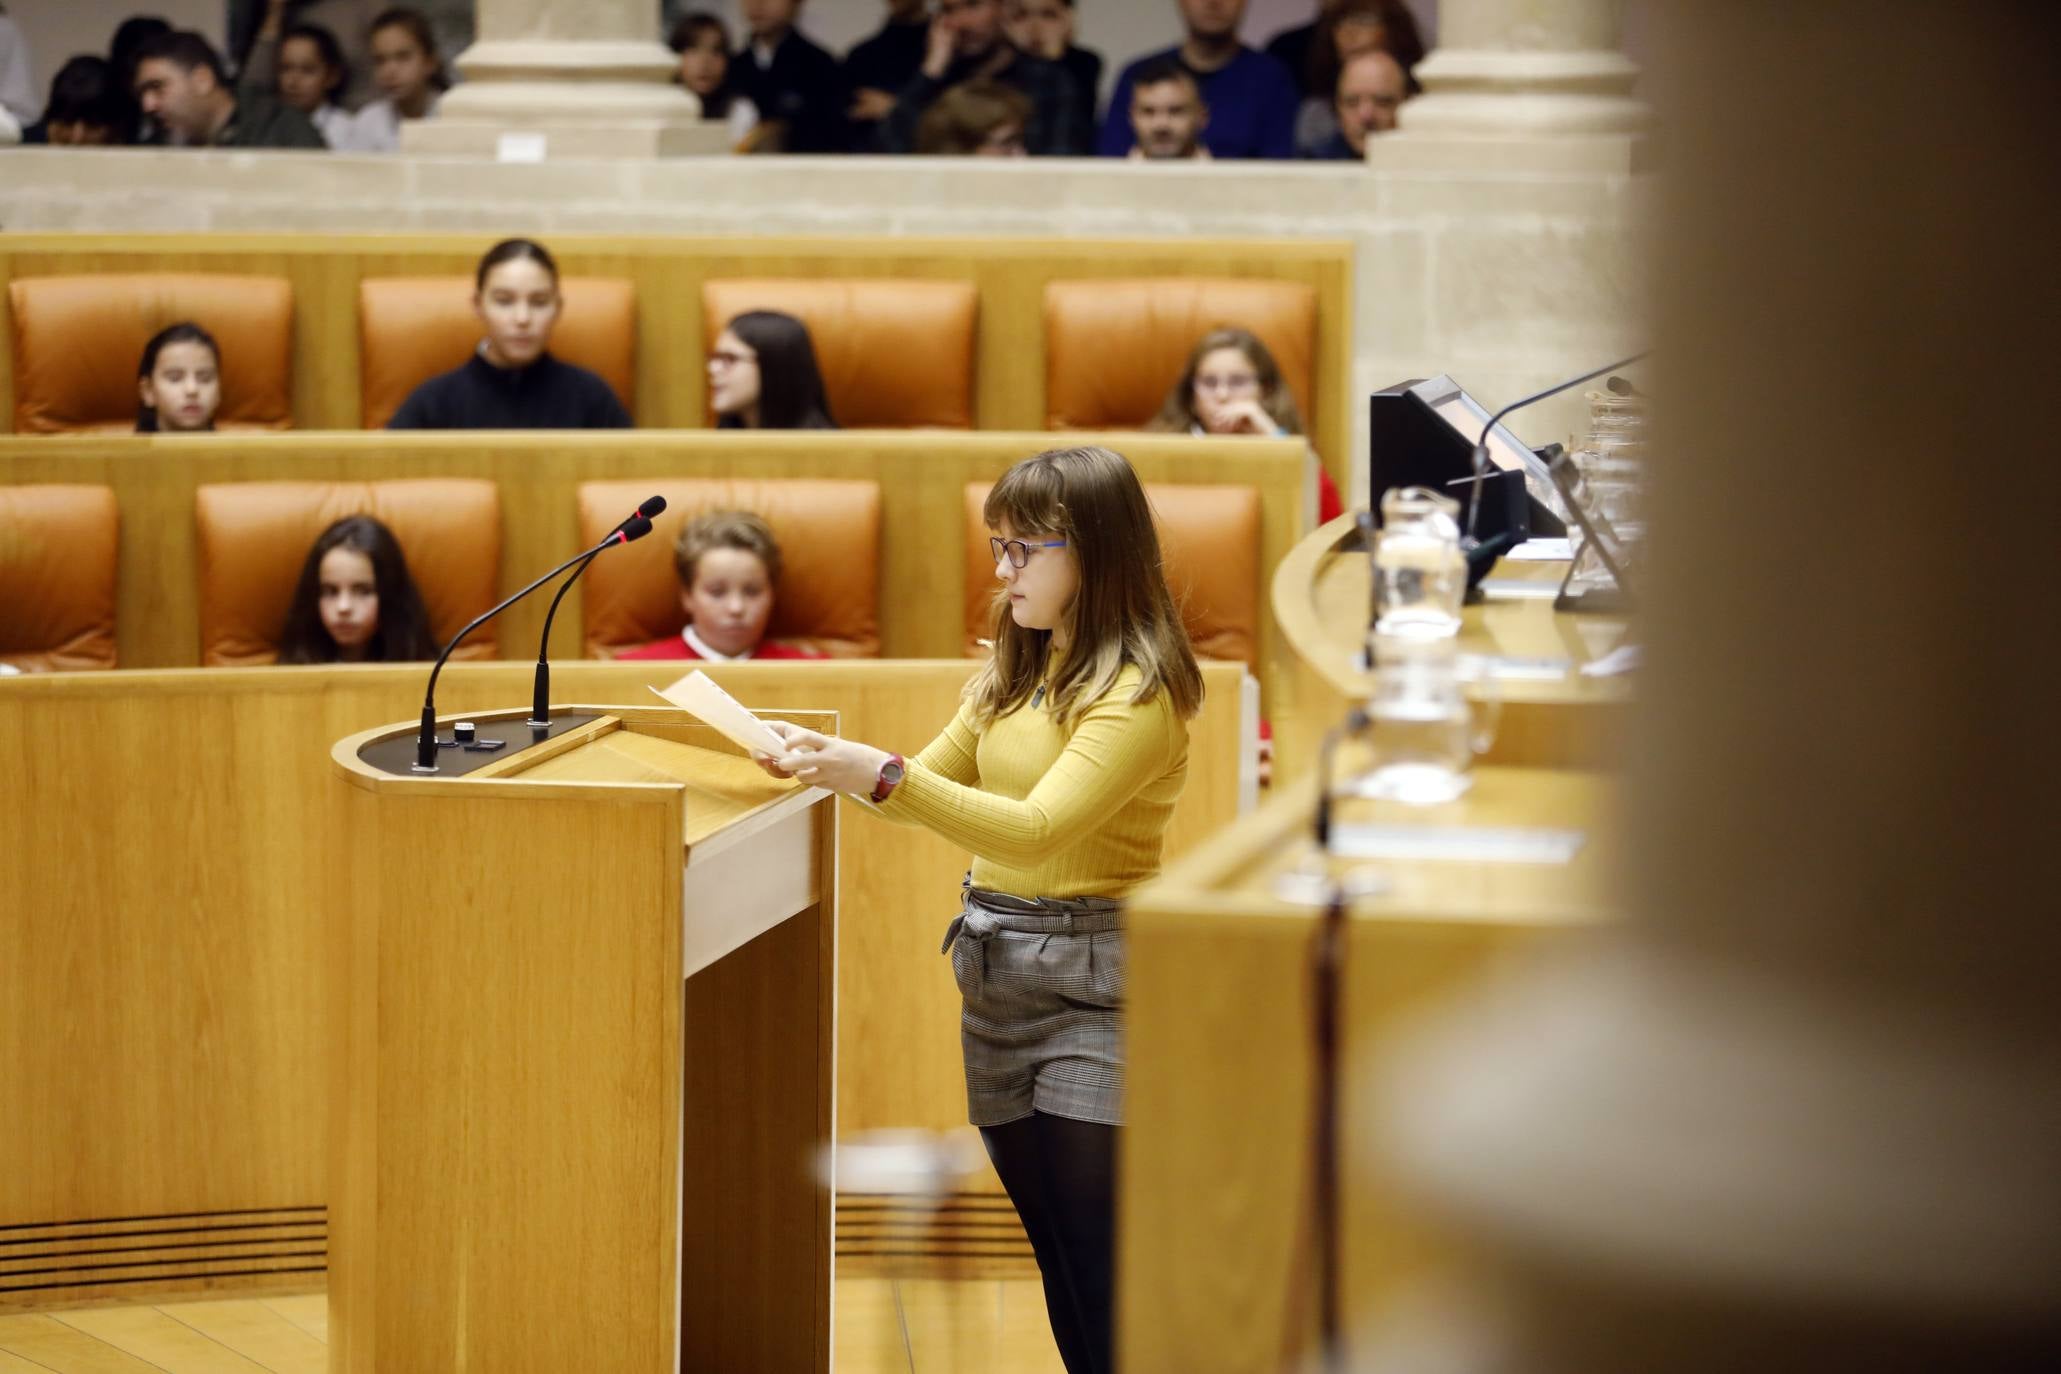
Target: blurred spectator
877	68
85	108
178	381
762	374
511	381
1167	113
348	22
180	84
796	85
1292	47
129	37
17	86
977	118
409	75
728	564
1371	89
304	67
967	40
355	602
1351	28
1251	98
1044	28
1232	385
705	69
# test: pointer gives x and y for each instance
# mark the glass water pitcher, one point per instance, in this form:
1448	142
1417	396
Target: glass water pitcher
1420	575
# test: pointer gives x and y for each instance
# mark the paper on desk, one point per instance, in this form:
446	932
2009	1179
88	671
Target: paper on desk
698	695
1541	551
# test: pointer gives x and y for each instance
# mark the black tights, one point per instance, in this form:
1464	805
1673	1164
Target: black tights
1061	1174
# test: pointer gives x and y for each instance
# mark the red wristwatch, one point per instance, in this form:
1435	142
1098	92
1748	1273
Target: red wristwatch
890	774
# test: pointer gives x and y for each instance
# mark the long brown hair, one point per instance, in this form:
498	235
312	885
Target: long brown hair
1122	614
1177	413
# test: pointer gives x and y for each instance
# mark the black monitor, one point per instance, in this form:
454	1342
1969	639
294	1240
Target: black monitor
1422	434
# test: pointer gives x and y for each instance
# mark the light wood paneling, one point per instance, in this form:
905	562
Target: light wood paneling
1217	1259
162	969
1010	273
922	478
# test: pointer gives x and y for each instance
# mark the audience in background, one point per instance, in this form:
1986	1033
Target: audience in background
1167	113
254	24
705	69
1251	98
797	86
181	84
304	66
1291	47
1371	90
355	602
1232	385
729	566
17	87
409	75
1351	28
86	108
512	381
977	118
179	381
967	40
876	69
129	37
1044	28
762	374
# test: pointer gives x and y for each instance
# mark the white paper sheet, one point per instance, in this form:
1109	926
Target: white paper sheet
1541	550
698	695
1457	844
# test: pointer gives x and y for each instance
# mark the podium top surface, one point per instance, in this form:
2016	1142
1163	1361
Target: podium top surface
1324	588
606	750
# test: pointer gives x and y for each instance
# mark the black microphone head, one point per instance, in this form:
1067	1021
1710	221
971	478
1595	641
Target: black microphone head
1621	387
635	528
653	507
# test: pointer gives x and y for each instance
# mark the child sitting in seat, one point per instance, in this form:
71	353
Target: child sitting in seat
729	565
179	381
355	602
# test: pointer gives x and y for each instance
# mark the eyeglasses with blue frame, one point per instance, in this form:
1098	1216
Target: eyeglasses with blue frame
1019	552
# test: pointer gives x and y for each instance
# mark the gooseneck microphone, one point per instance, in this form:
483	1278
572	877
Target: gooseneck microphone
1481	450
540	690
636	527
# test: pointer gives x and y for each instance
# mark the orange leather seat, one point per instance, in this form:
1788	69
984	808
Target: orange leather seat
894	354
828	598
1114	348
413	328
254	537
1209	539
58	550
77	341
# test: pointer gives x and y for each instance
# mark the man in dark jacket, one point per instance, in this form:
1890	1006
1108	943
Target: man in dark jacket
180	83
793	83
967	41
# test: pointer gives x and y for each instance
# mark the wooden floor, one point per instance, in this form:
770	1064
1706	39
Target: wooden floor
884	1326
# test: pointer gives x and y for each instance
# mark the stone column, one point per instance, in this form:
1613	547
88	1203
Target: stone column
1510	203
588	76
1802	1108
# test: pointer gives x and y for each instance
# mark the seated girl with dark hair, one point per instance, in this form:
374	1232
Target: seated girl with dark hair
762	375
512	381
706	69
355	602
303	67
1232	385
179	381
728	565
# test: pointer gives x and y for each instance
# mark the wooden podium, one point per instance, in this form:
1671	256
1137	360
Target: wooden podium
582	999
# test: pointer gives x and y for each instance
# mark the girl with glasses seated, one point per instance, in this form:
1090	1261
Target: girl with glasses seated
762	374
729	566
1232	385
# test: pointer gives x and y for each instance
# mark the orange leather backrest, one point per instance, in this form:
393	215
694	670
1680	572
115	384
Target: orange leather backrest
58	547
828	597
1209	540
413	328
254	537
77	341
1114	348
894	354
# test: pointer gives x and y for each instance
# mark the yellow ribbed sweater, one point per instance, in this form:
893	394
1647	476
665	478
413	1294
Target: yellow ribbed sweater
1049	813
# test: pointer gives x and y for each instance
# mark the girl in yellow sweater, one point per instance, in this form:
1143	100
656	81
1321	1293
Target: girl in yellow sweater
1059	773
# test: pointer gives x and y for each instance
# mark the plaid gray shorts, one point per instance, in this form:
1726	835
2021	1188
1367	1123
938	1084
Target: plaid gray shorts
1042	1025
